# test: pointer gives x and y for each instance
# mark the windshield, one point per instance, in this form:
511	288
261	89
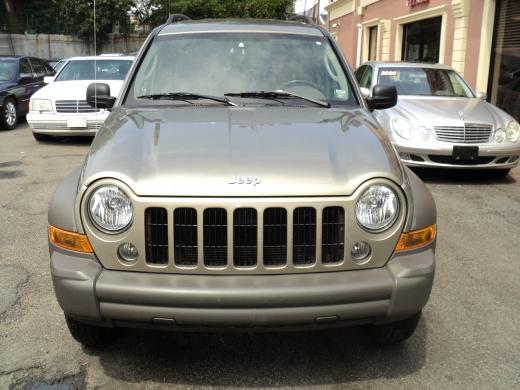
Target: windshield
7	69
84	70
425	82
220	63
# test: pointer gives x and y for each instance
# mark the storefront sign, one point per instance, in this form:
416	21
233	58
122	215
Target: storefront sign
413	3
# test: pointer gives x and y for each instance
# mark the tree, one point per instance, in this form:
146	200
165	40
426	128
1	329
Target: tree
78	18
155	12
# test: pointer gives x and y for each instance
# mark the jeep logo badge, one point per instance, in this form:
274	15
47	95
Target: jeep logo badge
252	180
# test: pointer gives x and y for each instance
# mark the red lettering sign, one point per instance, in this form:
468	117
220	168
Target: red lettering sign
413	3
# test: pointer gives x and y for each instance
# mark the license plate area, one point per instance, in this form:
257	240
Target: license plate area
465	153
77	122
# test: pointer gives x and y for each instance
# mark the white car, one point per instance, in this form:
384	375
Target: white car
61	109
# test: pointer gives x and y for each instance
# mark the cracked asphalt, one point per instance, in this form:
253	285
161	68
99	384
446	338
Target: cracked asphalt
468	337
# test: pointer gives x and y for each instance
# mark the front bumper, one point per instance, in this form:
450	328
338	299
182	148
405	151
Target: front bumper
59	124
88	292
438	155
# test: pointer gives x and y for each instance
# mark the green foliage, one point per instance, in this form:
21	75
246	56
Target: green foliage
158	10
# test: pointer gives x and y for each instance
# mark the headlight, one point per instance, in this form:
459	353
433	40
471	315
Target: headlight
377	208
403	127
41	105
513	131
110	209
500	136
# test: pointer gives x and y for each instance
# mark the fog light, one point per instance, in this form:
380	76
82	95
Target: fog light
127	252
360	251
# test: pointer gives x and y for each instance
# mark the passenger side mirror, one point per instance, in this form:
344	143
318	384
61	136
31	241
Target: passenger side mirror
482	95
48	79
98	96
383	96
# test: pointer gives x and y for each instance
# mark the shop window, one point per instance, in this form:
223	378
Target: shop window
421	40
504	80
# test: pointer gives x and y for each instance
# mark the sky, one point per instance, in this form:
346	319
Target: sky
299	5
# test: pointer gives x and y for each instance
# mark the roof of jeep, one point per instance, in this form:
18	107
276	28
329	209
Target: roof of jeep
241	25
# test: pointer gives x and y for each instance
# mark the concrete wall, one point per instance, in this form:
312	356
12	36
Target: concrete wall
63	46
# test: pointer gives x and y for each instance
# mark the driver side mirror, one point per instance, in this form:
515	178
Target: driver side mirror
98	96
25	76
383	96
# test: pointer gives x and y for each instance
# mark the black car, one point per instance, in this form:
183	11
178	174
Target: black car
20	77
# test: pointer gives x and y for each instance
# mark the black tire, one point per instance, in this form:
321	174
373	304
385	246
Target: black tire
8	114
394	332
90	335
41	137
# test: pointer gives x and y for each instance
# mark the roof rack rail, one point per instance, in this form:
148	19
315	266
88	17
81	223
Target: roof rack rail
176	18
301	18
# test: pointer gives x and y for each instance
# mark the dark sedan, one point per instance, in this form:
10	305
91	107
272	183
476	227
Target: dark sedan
20	77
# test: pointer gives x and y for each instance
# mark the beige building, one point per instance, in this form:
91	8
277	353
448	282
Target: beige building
478	38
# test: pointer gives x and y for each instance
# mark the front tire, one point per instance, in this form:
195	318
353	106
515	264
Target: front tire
394	332
8	114
90	335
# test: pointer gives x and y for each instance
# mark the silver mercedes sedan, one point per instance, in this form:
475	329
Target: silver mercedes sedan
439	121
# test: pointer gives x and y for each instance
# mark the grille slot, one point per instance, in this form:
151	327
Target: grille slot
244	237
469	133
156	235
185	236
74	106
215	237
333	235
275	236
304	235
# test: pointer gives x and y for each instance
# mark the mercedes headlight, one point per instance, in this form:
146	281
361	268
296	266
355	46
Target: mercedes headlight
110	209
513	131
500	136
403	127
41	105
377	208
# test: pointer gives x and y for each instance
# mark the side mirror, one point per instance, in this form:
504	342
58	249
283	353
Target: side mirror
365	92
98	96
48	79
482	95
383	96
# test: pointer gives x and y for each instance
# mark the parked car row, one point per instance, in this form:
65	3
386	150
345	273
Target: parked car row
439	121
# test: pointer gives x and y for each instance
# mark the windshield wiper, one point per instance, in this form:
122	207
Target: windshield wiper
185	96
274	95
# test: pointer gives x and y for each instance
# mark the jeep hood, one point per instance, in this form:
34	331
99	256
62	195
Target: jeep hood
209	151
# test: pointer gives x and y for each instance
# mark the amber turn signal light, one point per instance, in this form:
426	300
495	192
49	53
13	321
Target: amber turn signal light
416	238
69	240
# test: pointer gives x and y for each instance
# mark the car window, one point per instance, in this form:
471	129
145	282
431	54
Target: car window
220	63
25	67
38	67
101	70
366	80
359	73
7	69
49	70
425	81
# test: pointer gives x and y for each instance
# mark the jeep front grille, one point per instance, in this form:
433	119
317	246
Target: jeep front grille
185	234
246	250
215	237
156	235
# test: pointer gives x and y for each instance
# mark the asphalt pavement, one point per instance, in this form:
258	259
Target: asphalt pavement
468	337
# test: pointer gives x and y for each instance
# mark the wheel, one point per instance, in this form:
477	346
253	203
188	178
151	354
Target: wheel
41	137
394	332
90	335
9	114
